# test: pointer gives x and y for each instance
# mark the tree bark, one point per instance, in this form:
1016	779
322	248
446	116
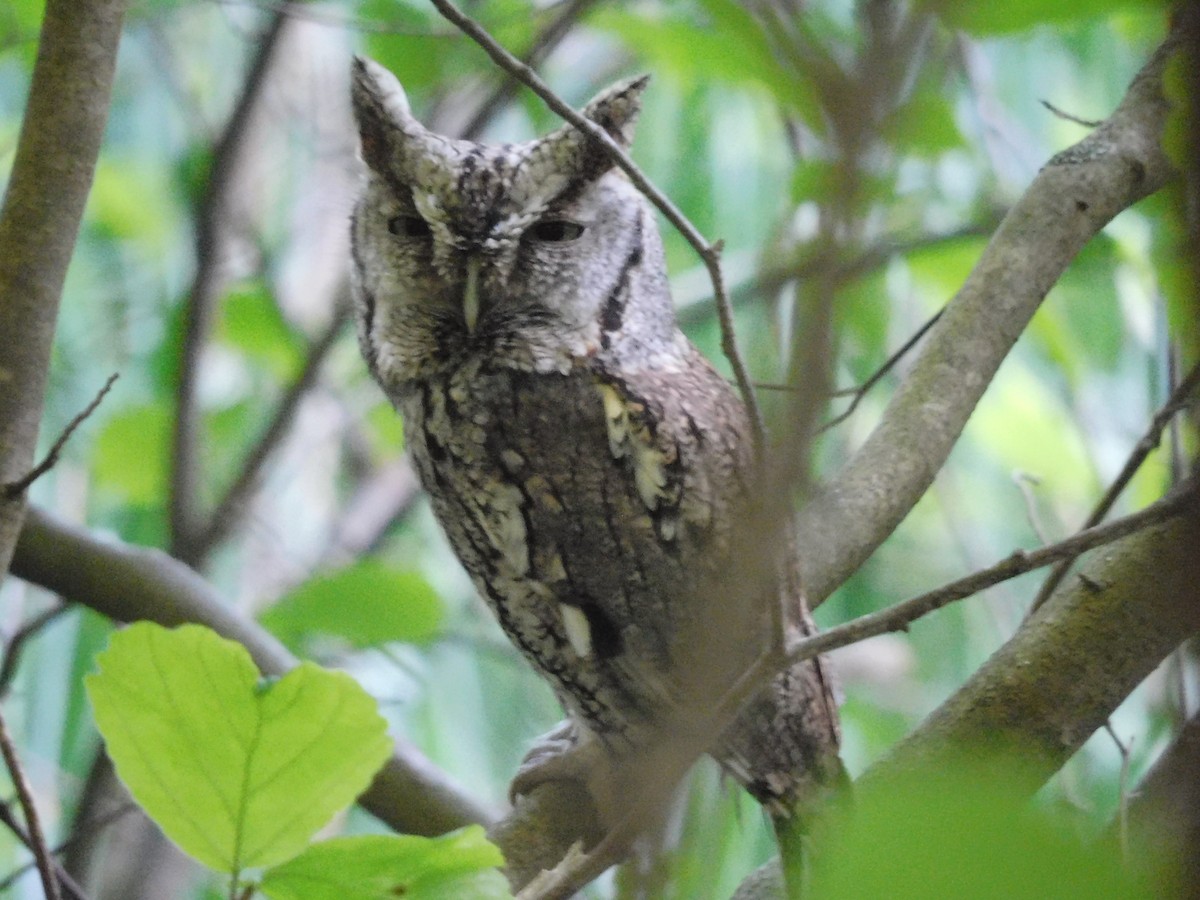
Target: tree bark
51	176
1073	662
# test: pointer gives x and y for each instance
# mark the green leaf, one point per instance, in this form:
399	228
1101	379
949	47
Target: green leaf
727	45
925	125
131	453
367	604
1017	15
237	771
965	830
252	322
383	867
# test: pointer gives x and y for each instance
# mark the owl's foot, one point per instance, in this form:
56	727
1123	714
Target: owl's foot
570	753
565	753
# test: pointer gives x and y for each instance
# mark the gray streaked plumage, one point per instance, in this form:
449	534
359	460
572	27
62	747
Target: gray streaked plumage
586	462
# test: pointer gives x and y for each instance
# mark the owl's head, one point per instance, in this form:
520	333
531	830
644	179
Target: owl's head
538	254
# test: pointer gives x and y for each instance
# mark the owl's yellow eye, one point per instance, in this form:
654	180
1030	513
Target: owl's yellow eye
556	231
409	226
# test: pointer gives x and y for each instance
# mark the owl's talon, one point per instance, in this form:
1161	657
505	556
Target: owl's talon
566	753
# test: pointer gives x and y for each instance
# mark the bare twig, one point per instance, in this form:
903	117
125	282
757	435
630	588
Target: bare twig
207	284
572	11
1026	482
1086	123
1141	450
226	513
1123	787
37	840
68	884
18	487
860	392
901	615
12	654
710	253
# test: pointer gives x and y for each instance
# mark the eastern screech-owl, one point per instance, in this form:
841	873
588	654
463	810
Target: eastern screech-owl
587	463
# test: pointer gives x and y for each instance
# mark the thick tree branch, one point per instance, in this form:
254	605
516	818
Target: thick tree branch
1074	661
128	583
1165	809
43	205
1070	200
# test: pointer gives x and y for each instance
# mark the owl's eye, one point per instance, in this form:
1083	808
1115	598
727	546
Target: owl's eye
409	226
556	231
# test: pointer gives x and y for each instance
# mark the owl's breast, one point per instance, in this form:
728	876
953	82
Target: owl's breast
565	497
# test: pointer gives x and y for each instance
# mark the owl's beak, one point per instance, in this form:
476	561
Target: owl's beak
471	294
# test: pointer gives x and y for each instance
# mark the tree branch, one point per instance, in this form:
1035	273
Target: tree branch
14	489
901	615
1073	662
1070	200
65	881
37	840
550	37
128	583
207	284
1141	450
43	205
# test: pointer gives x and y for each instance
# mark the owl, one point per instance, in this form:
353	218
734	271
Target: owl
588	465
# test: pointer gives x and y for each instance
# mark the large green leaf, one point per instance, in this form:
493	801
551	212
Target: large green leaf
367	604
236	770
458	866
965	830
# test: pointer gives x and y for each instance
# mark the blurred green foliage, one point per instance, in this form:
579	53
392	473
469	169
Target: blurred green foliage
748	126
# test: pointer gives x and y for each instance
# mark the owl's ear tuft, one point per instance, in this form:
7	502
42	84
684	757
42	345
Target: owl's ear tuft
390	136
568	157
616	108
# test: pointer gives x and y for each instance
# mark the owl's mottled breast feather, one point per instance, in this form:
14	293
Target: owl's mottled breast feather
589	509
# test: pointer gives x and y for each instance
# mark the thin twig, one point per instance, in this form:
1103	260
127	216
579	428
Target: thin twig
37	840
710	253
18	487
1123	787
68	884
1086	123
12	654
543	44
901	615
1141	450
861	391
1026	482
